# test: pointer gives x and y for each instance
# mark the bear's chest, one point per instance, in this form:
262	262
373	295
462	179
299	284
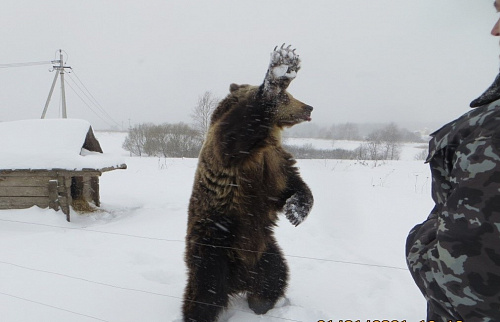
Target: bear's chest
266	172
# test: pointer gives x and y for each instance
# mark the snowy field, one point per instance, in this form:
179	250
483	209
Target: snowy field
125	262
408	153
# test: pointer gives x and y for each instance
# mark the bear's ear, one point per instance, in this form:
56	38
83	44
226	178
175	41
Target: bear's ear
283	68
233	87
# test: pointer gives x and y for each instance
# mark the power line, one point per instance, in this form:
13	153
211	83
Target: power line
175	241
25	64
90	108
120	288
60	72
83	92
51	306
95	100
304	257
209	245
91	97
91	230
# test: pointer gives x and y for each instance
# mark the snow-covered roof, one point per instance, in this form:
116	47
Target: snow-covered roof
50	144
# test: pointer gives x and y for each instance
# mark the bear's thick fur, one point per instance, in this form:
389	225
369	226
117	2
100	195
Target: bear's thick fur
244	178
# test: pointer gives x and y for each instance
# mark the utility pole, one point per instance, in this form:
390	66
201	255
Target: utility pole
60	72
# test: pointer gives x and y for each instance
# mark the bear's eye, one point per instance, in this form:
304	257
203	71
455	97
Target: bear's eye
284	99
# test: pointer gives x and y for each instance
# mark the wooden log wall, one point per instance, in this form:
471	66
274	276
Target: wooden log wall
45	188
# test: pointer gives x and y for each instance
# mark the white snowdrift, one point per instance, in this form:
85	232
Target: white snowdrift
49	144
125	263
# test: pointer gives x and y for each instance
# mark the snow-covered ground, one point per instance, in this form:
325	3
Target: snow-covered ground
409	152
125	262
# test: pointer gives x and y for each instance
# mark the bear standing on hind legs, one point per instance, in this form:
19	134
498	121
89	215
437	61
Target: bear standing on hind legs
243	180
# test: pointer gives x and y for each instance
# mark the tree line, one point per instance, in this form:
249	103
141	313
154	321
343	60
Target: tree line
381	144
350	131
185	140
165	140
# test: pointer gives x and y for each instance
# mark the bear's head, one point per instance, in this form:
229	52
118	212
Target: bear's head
285	110
267	105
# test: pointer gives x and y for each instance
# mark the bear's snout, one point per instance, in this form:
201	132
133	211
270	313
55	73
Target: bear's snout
307	112
308	108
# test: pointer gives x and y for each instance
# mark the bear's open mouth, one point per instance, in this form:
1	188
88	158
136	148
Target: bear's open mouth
306	117
302	117
294	119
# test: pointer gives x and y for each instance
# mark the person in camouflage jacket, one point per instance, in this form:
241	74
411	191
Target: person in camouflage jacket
454	256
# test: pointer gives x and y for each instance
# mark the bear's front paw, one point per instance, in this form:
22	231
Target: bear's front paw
285	63
283	68
297	207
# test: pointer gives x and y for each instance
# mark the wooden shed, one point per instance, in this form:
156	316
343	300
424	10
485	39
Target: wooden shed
51	163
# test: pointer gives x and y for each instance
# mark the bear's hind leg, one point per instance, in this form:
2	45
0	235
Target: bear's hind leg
268	280
206	294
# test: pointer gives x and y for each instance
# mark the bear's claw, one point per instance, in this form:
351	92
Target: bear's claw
283	68
284	62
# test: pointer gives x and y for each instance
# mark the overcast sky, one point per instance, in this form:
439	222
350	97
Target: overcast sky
148	61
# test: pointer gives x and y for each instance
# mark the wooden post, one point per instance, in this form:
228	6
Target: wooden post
65	199
94	183
53	195
86	188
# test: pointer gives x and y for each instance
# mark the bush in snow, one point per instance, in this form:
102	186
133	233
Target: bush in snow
164	140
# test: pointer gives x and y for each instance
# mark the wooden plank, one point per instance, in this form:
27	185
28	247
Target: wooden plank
121	166
87	190
94	185
51	173
25	181
28	173
23	202
65	201
24	191
53	195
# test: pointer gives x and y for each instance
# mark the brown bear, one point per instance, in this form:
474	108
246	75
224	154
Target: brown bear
243	180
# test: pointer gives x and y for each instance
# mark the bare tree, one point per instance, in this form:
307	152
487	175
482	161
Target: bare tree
165	140
136	138
385	143
391	137
202	112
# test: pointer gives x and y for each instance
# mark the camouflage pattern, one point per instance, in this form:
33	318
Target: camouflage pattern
454	256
